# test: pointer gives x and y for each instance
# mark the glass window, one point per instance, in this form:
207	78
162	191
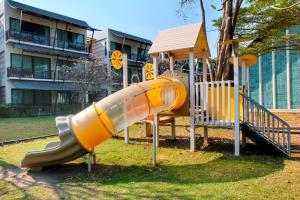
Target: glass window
118	46
41	67
14	25
16	61
42	98
27	63
17	96
78	39
28	97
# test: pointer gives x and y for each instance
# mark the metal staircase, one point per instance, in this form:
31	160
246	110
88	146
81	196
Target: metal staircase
264	128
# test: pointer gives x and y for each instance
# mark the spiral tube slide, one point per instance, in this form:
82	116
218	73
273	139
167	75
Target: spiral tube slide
79	134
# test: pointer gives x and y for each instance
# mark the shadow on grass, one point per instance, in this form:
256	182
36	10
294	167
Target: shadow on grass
223	169
117	181
215	144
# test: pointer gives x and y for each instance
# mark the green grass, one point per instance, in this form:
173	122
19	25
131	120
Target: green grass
125	172
20	128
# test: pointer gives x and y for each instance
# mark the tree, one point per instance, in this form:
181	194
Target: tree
226	32
266	23
261	21
89	75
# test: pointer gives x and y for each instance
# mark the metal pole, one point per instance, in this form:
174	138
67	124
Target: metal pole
154	145
173	123
91	45
125	84
244	83
156	118
236	101
192	100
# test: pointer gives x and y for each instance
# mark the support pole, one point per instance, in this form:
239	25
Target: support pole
204	79
173	128
236	101
171	63
154	145
244	84
274	79
125	84
192	100
204	69
55	35
91	45
205	132
156	117
288	74
21	19
173	122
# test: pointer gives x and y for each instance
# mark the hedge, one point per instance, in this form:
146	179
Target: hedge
30	110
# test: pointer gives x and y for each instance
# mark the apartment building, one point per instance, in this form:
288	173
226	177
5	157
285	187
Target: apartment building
34	45
275	79
109	40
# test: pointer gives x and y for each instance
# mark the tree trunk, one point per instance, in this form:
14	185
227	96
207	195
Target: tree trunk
224	51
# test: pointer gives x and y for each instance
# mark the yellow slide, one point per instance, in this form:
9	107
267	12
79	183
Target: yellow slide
79	134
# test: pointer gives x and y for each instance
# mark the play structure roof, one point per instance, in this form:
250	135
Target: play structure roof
249	60
180	40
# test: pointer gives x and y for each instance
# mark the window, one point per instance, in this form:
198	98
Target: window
30	32
14	25
142	54
79	67
39	67
118	46
31	97
69	40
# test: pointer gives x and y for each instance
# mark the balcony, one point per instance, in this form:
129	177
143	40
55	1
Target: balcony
40	39
14	72
28	37
71	45
135	57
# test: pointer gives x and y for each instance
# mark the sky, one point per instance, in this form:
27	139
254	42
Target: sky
143	18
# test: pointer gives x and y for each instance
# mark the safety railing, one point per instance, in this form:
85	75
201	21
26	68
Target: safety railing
214	103
42	39
267	124
15	72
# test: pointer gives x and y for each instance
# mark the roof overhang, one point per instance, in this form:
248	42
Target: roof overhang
50	15
180	41
130	37
42	85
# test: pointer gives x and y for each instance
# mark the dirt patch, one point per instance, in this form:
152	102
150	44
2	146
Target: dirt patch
293	119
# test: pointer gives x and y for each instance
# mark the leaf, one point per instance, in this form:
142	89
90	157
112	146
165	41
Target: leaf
213	6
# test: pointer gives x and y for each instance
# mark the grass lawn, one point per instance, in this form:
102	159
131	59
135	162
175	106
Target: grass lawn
19	128
125	171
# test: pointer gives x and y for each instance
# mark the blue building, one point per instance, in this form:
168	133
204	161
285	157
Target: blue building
275	79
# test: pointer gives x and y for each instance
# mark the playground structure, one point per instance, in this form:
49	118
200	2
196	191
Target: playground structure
215	104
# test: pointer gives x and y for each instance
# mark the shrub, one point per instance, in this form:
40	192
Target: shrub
31	110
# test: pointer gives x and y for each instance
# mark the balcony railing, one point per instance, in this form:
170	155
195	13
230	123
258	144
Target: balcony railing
44	40
15	72
28	37
135	57
28	73
71	45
